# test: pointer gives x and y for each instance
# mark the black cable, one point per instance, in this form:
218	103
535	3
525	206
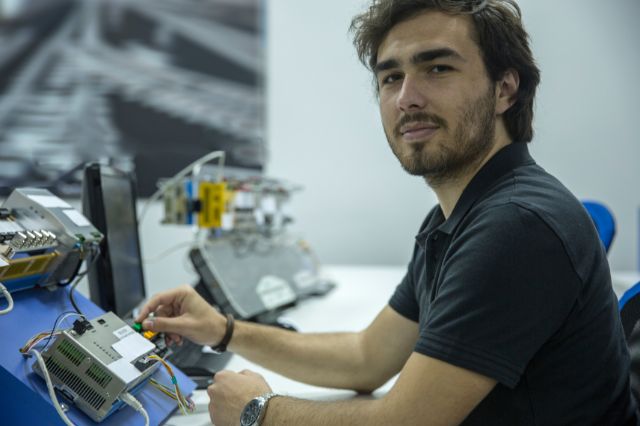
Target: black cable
73	287
94	256
55	325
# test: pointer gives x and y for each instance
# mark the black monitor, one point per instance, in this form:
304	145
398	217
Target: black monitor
116	280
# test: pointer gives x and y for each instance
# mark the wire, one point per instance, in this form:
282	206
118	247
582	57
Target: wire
52	393
31	343
170	393
95	253
132	402
38	338
186	406
196	165
7	296
71	298
60	318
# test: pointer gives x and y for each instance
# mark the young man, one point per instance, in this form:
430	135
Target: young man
506	315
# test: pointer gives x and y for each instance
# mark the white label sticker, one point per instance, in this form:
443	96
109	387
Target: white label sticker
274	291
133	346
77	218
124	370
50	201
123	332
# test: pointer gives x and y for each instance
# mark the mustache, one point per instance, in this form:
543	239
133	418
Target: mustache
419	117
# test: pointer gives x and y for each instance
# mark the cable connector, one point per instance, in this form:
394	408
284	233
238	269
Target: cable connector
7	296
81	325
132	402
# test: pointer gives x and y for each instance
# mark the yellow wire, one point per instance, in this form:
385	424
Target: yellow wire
182	403
162	389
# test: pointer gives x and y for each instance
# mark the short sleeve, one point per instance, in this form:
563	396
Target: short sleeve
507	284
403	300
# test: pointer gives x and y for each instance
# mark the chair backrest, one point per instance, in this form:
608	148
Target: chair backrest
604	221
629	306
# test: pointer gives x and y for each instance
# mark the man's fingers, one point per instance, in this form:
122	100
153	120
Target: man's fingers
211	389
249	373
171	339
164	311
164	324
164	298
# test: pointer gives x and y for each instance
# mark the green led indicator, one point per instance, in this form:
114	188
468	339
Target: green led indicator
137	327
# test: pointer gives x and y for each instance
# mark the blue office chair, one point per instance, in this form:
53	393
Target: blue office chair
629	306
603	220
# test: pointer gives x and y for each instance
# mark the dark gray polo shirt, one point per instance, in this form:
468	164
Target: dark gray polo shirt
515	285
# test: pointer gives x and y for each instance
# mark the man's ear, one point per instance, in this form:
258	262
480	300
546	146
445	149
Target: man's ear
507	91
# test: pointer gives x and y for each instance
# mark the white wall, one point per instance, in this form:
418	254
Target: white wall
360	207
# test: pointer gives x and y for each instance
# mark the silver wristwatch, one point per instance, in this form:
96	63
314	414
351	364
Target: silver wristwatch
254	411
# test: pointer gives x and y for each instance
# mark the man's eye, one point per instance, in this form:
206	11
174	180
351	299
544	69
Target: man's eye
439	69
391	78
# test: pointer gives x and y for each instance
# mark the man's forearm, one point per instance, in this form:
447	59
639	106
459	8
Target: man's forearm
284	411
330	360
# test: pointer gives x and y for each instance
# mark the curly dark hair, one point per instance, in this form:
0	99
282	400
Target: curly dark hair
499	33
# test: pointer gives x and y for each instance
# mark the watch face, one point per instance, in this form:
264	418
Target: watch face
250	413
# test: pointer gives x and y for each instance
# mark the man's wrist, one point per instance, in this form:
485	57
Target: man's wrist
254	413
221	346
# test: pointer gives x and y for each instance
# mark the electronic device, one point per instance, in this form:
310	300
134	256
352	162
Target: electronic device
250	275
117	281
247	261
94	363
43	240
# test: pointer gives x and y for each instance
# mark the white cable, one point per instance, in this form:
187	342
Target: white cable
67	315
7	295
52	393
195	165
132	402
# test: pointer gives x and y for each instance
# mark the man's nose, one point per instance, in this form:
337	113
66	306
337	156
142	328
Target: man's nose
411	96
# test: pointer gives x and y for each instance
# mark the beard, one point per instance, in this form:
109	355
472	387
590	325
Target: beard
472	139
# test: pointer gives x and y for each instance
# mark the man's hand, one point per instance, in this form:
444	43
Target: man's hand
230	392
181	312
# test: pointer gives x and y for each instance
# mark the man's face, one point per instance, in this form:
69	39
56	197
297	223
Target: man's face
436	100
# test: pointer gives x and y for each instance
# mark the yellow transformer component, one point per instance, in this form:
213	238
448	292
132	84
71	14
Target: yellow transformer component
25	266
214	199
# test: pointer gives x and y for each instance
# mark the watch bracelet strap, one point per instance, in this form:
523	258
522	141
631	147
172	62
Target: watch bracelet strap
222	346
266	397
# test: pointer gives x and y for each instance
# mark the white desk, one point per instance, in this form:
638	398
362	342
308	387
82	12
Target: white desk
360	294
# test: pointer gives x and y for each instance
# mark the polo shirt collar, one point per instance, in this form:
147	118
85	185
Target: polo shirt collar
504	161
